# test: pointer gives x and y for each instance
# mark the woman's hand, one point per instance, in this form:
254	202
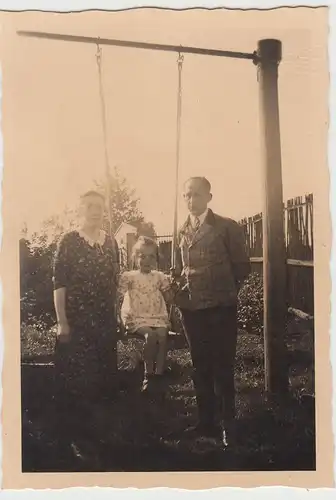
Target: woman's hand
63	329
123	334
63	332
121	327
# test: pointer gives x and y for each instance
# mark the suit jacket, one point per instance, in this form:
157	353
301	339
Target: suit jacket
212	262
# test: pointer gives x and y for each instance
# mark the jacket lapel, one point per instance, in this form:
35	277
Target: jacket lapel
185	226
191	237
201	233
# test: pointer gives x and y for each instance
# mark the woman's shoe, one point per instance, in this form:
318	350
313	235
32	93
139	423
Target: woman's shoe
228	434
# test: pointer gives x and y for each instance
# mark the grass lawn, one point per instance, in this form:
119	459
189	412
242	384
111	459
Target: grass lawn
135	433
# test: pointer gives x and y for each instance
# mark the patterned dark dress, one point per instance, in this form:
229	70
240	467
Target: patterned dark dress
86	365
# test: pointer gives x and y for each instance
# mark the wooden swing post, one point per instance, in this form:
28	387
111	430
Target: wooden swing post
274	250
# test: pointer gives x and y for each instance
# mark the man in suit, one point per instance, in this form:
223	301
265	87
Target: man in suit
212	264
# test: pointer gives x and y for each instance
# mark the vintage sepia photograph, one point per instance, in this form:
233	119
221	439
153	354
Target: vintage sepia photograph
166	225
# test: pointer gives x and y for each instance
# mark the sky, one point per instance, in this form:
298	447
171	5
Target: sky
53	138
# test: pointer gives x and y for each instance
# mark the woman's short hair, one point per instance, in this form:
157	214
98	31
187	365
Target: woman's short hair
92	192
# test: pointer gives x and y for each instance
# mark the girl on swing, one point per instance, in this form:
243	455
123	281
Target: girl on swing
144	294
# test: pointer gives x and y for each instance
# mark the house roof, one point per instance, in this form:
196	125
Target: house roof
123	224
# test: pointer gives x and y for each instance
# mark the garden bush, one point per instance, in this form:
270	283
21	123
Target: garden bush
250	304
36	283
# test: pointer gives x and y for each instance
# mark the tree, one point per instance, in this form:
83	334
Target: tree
36	254
145	229
124	206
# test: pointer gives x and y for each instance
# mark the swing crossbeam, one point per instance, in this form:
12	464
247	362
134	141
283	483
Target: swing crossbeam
142	45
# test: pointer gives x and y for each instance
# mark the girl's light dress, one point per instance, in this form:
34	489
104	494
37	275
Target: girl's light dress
144	304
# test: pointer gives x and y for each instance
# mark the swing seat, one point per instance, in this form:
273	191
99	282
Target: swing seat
136	336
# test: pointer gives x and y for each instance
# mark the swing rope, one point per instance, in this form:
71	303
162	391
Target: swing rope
180	60
99	56
173	310
177	165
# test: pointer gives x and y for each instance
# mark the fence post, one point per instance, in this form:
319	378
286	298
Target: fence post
274	251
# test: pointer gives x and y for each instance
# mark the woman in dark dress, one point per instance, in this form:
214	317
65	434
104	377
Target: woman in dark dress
85	277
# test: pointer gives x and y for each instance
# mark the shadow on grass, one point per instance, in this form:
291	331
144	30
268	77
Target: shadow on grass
134	432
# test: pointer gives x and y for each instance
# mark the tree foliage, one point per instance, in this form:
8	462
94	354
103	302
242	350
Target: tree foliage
251	304
124	206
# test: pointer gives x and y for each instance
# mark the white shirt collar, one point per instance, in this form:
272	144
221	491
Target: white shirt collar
201	218
100	240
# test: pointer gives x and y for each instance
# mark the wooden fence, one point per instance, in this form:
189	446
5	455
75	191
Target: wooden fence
298	228
165	250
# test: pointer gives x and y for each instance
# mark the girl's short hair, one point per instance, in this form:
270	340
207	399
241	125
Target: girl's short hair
144	241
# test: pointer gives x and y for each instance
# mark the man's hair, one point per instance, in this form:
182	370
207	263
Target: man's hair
92	193
202	180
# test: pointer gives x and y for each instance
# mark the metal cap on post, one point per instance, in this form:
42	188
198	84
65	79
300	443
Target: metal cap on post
269	51
274	249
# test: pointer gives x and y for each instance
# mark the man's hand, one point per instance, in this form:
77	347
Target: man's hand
173	273
63	332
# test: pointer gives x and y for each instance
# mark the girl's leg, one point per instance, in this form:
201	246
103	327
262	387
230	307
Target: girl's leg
161	335
149	350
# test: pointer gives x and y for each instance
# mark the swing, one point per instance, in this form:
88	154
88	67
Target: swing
173	312
267	58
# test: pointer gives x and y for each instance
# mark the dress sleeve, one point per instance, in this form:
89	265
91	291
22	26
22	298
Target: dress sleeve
123	283
116	256
61	264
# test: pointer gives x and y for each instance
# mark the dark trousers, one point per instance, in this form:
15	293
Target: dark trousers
212	338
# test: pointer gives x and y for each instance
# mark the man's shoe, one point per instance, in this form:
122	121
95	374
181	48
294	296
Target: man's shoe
209	431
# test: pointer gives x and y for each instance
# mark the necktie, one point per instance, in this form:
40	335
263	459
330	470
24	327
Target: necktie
197	224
